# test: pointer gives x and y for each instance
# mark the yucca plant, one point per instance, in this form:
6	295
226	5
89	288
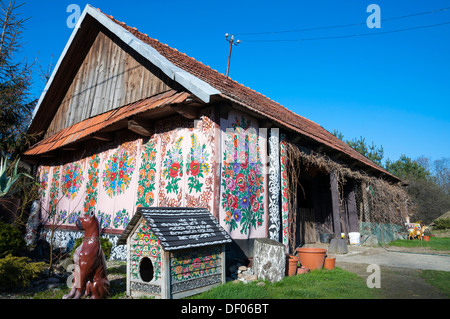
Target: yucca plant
7	182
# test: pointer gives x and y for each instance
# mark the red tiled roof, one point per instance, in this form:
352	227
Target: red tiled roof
251	99
94	124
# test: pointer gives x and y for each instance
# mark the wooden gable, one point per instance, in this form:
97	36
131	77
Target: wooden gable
111	75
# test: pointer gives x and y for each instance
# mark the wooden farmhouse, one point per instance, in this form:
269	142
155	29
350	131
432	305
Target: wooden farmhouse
173	252
129	122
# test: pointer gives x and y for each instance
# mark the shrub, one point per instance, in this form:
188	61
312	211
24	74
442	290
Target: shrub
442	223
11	239
18	271
104	242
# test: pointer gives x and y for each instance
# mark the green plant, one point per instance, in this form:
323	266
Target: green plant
18	271
442	223
104	242
7	182
11	239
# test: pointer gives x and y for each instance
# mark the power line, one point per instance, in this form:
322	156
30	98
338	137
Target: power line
342	25
351	35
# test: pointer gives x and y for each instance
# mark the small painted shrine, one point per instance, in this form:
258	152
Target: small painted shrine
173	252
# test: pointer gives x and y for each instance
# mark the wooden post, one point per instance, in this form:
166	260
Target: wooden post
223	264
335	204
166	289
128	266
351	209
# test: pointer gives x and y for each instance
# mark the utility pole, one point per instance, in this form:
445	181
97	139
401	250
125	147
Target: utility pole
231	40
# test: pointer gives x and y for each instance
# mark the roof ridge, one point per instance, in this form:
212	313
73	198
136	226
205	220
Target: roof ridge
255	100
201	63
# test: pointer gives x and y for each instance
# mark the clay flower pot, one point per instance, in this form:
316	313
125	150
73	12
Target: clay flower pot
311	257
426	238
302	270
292	265
329	263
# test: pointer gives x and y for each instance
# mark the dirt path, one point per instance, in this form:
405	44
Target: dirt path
400	269
397	283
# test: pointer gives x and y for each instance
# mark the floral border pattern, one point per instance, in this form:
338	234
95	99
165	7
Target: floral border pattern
147	176
92	183
54	194
195	263
274	185
284	192
43	180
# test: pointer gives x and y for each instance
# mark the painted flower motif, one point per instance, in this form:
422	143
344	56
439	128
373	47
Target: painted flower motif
237	215
232	201
118	172
240	182
198	166
104	219
243	159
172	167
121	219
236	168
174	170
245	202
73	217
254	203
252	177
230	184
71	180
194	168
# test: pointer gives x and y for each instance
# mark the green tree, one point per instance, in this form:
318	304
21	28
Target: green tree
16	105
372	151
406	168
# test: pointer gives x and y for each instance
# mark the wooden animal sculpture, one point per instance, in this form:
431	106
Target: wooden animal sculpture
90	263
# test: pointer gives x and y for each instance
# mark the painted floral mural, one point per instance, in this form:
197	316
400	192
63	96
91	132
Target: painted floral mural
71	179
242	179
117	172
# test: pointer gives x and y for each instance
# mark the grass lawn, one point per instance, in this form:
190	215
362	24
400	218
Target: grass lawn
318	284
439	279
435	243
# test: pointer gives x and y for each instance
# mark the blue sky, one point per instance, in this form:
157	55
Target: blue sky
392	88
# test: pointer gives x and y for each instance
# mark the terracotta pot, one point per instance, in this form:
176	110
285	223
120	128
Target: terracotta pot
426	238
311	257
292	265
302	270
329	263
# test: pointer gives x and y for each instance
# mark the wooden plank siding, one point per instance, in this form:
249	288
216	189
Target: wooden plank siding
109	77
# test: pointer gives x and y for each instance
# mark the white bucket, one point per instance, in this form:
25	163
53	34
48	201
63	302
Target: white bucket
354	238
